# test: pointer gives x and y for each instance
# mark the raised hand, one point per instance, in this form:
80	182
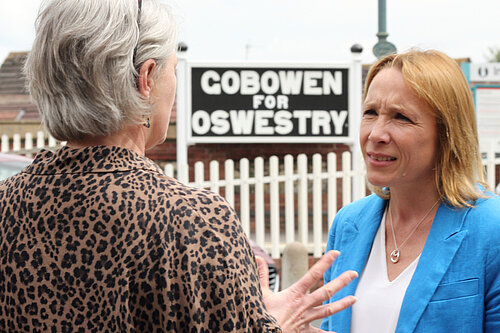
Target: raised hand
294	308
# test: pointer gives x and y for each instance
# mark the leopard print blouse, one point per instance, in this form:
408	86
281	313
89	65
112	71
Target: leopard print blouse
98	239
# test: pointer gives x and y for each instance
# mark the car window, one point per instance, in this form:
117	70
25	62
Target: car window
11	164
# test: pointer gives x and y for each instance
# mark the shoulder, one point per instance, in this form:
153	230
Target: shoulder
482	223
489	206
200	211
204	222
484	226
485	214
205	202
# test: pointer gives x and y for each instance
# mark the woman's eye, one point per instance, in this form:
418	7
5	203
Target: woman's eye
369	113
403	117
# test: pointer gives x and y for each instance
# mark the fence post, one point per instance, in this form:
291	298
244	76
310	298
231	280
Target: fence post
359	174
302	199
289	200
169	170
52	141
332	187
259	202
214	176
199	174
294	264
16	146
183	173
317	206
274	193
40	139
5	144
28	144
229	174
346	178
245	195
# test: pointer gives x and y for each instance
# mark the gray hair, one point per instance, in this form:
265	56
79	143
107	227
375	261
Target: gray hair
81	72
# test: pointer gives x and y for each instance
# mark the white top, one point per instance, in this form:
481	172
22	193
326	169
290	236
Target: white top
379	300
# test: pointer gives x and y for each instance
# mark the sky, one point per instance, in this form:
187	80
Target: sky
303	30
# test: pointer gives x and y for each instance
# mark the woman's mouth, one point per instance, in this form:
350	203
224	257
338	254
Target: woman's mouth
381	157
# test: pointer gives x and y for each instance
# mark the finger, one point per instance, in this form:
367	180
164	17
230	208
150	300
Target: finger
316	272
263	273
312	329
328	290
330	309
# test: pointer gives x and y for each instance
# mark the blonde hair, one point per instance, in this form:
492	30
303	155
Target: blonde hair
81	72
438	80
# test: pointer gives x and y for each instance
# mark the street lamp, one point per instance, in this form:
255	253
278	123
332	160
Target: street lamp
383	47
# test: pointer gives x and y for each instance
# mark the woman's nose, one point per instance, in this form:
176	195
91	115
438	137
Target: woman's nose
379	132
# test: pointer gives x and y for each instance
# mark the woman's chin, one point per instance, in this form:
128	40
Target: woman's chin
376	181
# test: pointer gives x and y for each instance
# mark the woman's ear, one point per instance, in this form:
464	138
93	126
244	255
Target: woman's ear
145	80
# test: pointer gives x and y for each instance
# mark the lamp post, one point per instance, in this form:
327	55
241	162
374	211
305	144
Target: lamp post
383	47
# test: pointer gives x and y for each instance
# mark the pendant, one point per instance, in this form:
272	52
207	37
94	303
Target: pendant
395	256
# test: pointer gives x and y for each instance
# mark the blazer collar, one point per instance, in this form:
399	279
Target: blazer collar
96	159
444	239
357	237
360	234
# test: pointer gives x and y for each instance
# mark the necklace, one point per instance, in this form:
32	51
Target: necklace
396	252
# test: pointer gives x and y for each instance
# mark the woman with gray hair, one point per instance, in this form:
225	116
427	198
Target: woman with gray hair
94	237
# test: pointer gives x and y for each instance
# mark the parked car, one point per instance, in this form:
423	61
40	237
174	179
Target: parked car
10	164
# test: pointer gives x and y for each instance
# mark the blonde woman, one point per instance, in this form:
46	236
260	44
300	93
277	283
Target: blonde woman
426	243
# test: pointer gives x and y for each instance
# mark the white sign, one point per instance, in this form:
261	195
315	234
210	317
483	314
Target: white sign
486	72
488	112
236	103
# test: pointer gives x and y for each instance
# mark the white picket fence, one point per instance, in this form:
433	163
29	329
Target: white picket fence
29	145
300	188
278	202
491	158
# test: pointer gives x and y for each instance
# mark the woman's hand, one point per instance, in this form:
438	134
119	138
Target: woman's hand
294	308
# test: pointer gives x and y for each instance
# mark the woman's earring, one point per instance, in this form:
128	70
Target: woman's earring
147	124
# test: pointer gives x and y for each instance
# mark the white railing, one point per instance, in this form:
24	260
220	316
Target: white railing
278	202
27	145
491	159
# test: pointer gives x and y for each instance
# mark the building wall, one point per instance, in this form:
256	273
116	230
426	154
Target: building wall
16	127
220	152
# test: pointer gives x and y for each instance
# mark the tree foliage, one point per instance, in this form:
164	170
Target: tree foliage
493	54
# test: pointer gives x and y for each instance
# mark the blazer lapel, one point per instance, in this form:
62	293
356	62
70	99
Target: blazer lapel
356	247
442	243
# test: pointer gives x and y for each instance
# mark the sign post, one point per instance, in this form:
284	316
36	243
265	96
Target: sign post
182	110
355	111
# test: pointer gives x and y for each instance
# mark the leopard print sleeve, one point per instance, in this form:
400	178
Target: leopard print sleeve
213	278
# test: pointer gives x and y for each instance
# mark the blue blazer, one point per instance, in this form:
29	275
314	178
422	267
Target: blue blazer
456	285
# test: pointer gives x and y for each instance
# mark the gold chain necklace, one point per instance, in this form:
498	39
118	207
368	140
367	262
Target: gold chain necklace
396	252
